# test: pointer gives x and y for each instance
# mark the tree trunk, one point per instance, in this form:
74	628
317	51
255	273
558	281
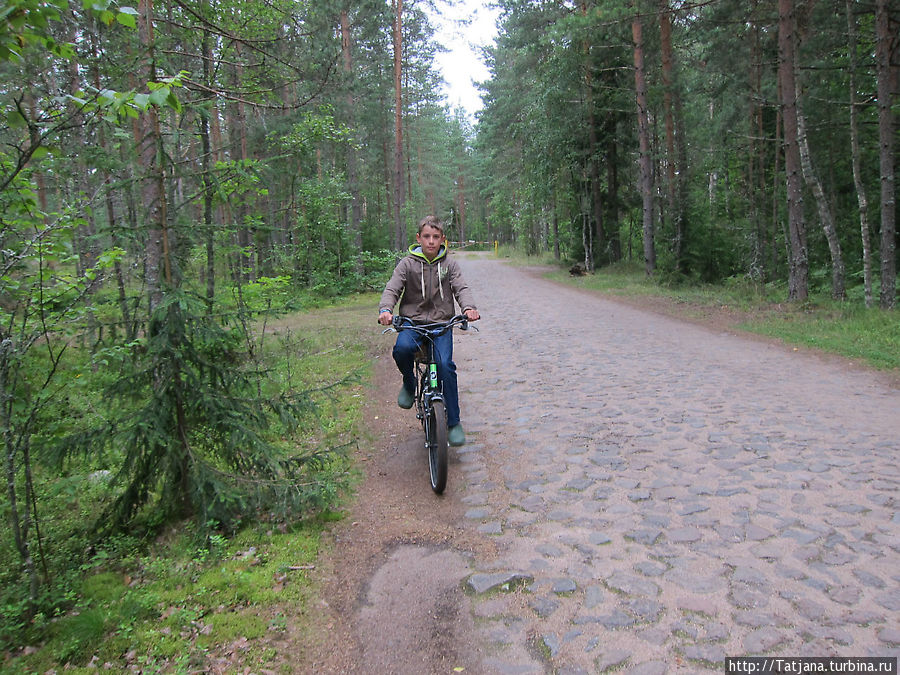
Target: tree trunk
593	158
461	201
861	197
206	167
838	291
153	196
40	182
757	162
111	217
85	234
776	201
646	168
838	288
556	253
798	263
884	50
237	129
209	232
587	232
399	198
222	212
675	160
19	514
612	198
352	178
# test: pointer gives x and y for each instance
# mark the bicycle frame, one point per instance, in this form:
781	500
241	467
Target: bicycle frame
429	385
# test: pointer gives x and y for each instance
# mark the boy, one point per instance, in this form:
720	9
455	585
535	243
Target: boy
425	282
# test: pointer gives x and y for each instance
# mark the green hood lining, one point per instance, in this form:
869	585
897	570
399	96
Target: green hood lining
416	250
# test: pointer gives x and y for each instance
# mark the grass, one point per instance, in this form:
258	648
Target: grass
871	336
188	602
177	607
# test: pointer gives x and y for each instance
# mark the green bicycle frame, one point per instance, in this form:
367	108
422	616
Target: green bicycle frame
432	375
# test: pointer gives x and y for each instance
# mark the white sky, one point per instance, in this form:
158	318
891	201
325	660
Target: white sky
462	29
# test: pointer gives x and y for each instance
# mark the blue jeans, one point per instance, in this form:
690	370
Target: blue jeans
405	354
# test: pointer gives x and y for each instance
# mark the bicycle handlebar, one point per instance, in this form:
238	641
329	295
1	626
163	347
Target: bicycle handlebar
399	323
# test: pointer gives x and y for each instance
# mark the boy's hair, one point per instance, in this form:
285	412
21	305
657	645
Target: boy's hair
433	221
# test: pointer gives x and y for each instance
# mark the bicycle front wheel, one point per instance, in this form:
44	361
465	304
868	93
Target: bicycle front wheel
437	445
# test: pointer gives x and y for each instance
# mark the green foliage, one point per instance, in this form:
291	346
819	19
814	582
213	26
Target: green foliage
556	139
296	361
187	597
107	11
68	505
197	435
313	128
377	268
26	23
268	292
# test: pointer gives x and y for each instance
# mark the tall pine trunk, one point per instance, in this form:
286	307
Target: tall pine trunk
153	197
612	199
399	197
593	158
85	234
798	263
675	147
756	178
461	201
646	167
352	177
111	215
884	51
207	181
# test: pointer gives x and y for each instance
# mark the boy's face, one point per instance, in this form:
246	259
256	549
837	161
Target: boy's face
430	239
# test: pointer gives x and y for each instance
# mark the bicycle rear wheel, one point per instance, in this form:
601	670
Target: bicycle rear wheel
436	432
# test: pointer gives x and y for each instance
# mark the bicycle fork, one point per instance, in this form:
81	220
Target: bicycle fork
430	392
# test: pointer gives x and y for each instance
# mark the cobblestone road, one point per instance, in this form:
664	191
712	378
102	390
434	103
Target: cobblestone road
665	496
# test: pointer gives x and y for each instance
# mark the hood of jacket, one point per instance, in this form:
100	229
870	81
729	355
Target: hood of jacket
415	250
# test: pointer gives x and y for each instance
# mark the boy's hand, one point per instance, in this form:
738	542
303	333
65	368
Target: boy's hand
385	318
472	314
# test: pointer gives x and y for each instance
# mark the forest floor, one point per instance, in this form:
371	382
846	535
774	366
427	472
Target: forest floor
391	598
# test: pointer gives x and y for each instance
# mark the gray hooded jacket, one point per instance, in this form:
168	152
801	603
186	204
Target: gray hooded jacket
426	288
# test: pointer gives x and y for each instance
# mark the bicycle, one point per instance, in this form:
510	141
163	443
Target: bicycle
430	410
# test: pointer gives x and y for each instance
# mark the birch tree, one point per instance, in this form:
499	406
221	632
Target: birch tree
861	197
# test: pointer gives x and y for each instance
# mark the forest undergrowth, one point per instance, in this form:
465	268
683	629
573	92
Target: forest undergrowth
187	596
191	598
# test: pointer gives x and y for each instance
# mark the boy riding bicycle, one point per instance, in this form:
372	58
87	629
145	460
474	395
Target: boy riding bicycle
426	282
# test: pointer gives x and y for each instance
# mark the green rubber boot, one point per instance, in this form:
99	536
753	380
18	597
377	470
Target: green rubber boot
405	399
456	436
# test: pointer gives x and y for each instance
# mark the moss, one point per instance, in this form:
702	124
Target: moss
227	627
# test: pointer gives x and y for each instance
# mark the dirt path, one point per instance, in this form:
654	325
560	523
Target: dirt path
638	494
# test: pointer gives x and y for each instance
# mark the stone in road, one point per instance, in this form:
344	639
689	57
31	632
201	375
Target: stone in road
664	496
